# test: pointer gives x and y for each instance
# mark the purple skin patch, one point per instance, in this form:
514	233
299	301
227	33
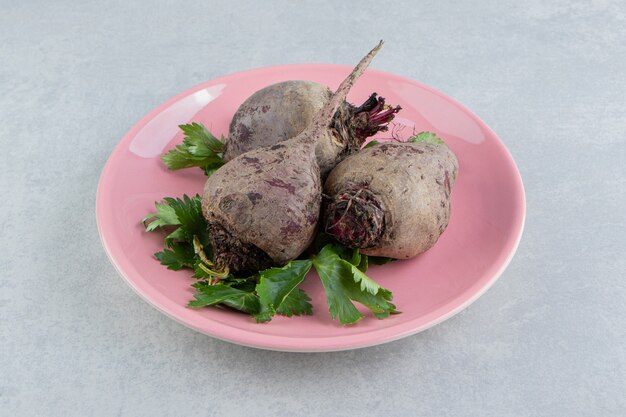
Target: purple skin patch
277	182
254	197
244	134
375	114
249	160
291	229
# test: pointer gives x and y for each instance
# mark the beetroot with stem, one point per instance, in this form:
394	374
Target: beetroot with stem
283	110
262	208
392	199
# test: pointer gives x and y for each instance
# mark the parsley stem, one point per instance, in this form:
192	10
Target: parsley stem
205	263
219	274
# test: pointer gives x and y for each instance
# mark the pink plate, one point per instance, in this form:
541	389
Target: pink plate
488	211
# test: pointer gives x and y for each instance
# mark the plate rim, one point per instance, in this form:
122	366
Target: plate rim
280	343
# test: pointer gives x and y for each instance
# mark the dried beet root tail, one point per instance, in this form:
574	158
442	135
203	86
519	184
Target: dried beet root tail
327	114
355	218
370	118
242	258
355	124
380	113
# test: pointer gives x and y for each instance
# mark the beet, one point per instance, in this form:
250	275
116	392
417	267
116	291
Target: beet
262	207
392	199
283	110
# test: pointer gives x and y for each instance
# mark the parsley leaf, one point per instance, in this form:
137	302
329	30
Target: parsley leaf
275	293
274	290
209	169
185	215
352	256
344	283
199	149
275	284
379	303
192	223
428	137
364	263
179	256
209	295
379	260
164	216
245	284
296	303
332	271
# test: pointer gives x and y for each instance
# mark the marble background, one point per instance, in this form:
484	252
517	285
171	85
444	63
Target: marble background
547	340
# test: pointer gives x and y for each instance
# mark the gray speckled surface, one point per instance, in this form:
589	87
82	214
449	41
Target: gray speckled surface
547	340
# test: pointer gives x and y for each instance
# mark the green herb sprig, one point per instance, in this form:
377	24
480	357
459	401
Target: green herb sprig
271	291
199	149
